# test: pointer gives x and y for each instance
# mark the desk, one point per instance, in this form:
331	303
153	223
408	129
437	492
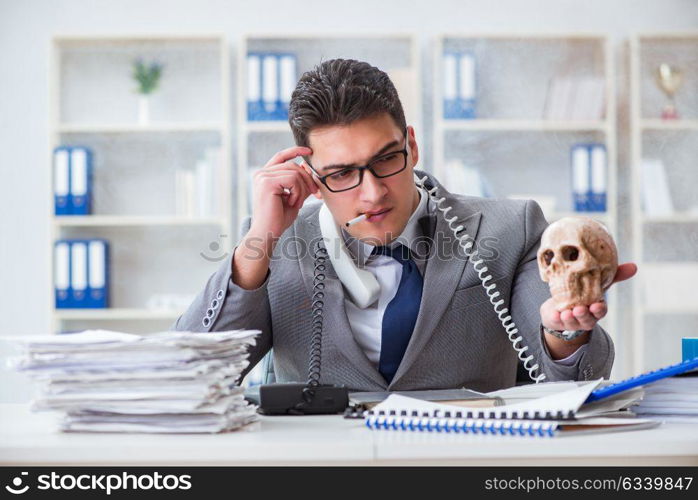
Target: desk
31	439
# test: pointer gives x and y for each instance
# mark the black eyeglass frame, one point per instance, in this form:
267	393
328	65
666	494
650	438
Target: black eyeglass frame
361	169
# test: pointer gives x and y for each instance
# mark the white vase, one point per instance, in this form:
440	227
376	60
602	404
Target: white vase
143	110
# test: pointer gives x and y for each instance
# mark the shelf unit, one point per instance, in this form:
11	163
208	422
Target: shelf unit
92	104
396	54
664	245
536	152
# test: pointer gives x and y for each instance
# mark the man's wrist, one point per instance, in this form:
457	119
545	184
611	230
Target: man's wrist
566	335
558	348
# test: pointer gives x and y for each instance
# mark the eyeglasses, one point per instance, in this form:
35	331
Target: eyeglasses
350	177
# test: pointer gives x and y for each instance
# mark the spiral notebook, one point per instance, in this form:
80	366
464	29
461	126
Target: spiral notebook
550	415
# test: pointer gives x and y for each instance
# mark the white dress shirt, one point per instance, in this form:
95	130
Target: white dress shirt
366	323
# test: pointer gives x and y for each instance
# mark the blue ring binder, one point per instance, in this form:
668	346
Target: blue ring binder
436	423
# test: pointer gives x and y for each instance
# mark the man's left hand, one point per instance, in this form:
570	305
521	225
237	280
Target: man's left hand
581	317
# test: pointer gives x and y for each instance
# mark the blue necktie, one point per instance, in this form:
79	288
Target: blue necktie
401	314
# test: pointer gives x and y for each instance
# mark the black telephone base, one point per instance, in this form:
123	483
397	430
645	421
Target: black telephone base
302	399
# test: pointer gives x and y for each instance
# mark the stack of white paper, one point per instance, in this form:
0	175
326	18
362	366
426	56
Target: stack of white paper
671	399
105	381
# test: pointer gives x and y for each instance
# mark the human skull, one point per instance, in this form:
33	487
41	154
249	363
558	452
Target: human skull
578	259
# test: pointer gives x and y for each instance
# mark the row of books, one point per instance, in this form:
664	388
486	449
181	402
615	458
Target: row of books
271	79
460	89
81	273
656	193
589	170
72	180
200	192
579	98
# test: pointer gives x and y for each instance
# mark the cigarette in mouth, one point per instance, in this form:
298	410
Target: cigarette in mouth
357	219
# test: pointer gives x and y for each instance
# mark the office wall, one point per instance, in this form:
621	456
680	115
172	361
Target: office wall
27	25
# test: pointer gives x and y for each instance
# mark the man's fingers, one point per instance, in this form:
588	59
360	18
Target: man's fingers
290	166
310	183
290	179
625	271
556	320
584	317
285	183
288	154
569	321
598	309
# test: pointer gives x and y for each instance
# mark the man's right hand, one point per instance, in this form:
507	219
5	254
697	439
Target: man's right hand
273	211
274	208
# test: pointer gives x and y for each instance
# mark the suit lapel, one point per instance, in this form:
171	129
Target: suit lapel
336	327
442	274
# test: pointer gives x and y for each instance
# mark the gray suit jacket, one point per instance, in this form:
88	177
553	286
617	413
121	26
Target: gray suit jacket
458	339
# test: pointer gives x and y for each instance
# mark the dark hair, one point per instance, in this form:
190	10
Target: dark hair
340	92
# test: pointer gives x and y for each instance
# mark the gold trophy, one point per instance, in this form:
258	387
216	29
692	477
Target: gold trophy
669	80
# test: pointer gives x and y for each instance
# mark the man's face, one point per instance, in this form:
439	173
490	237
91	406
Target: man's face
356	145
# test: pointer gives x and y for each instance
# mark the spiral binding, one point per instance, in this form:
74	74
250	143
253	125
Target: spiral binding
480	413
507	323
455	424
319	257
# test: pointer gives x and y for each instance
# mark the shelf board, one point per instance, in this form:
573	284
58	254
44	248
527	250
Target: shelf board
116	314
525	125
553	37
678	309
134	38
134	220
603	216
134	128
676	36
268	126
679	217
669	124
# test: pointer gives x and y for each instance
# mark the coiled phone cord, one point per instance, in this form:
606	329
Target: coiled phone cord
319	258
481	269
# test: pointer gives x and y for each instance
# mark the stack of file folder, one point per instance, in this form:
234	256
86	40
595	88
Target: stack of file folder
271	79
168	382
673	399
72	180
460	85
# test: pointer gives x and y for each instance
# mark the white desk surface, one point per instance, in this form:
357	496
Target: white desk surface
32	439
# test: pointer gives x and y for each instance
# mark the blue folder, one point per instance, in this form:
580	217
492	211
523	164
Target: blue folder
81	180
61	181
81	277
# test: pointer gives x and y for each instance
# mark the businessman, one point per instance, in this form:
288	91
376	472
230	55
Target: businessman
431	325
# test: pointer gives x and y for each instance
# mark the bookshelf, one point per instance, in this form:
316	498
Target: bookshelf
518	149
154	249
664	241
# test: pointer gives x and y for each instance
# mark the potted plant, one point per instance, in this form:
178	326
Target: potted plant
147	77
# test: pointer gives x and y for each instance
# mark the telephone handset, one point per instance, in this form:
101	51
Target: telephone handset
362	286
364	289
